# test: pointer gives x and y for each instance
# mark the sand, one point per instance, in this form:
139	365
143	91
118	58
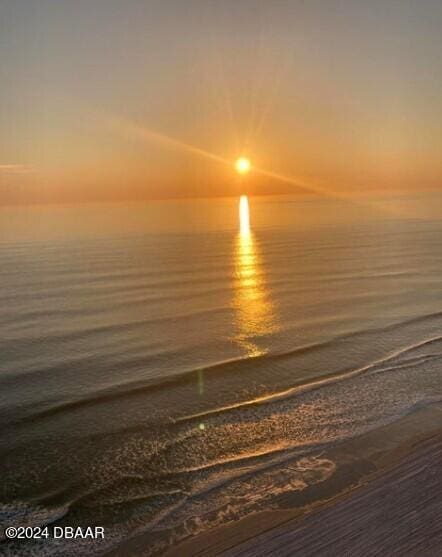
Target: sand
397	511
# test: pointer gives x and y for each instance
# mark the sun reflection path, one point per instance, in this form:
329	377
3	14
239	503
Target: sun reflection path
244	216
255	315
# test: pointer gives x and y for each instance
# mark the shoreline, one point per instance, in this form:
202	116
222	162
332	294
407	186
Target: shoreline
394	513
387	486
388	508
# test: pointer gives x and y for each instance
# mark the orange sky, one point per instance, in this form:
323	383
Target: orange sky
341	95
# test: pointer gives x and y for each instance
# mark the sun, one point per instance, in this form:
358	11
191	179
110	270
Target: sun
242	165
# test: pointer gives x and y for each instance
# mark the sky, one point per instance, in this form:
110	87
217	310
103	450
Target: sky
109	100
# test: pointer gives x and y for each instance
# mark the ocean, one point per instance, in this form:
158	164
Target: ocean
172	366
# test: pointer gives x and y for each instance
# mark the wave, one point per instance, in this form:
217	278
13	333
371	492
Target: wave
232	366
245	439
373	366
109	329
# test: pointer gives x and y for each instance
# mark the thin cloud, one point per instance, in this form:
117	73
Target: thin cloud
16	168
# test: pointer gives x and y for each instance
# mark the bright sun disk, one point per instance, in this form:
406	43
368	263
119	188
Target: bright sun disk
242	165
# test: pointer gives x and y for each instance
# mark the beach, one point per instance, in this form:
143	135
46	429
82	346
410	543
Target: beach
395	513
384	498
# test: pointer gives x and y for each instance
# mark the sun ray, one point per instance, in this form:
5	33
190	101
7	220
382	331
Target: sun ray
127	126
152	135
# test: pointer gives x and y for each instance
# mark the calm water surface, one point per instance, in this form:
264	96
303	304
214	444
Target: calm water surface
172	366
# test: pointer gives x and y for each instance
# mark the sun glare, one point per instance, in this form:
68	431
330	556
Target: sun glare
242	165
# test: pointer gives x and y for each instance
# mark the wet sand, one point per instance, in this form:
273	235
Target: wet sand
397	514
394	511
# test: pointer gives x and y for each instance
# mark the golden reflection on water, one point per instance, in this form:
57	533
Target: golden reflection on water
255	315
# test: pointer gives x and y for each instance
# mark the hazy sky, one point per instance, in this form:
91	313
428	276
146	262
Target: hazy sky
347	94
